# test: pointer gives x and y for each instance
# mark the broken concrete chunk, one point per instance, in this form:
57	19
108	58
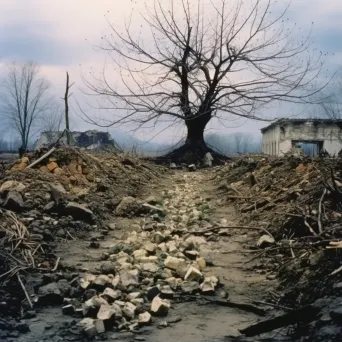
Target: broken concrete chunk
106	312
133	295
190	287
149	259
265	240
102	280
162	246
79	212
160	307
201	262
139	253
158	237
129	310
150	267
112	294
14	202
12	185
193	274
174	263
95	302
166	291
99	325
144	318
207	287
150	247
128	206
191	254
129	277
90	331
50	294
171	246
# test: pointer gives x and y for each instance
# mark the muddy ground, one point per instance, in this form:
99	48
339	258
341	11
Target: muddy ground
198	320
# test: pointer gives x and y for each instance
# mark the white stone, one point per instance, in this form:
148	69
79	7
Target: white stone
102	280
162	246
133	295
99	325
171	246
106	312
139	253
265	240
150	247
144	318
95	302
149	259
129	310
160	307
207	286
150	267
113	294
193	274
174	263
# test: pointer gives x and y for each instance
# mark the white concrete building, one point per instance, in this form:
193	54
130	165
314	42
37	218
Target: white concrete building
283	135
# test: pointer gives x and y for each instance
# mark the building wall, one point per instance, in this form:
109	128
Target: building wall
270	141
87	139
283	136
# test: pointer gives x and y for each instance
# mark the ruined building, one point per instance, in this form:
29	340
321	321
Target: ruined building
286	135
89	139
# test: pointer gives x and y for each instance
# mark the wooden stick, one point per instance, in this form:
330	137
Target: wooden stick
305	314
41	158
56	265
320	227
273	305
239	227
24	289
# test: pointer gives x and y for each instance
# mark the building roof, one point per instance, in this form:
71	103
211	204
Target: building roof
285	121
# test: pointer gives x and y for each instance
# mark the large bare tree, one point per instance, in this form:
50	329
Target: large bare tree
201	61
24	99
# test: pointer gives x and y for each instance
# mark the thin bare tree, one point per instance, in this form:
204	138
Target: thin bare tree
52	119
24	99
204	61
331	106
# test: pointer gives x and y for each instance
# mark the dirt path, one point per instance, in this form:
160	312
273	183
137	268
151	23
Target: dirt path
183	194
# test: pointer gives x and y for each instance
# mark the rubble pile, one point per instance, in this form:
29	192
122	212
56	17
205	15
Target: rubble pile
141	276
294	206
64	195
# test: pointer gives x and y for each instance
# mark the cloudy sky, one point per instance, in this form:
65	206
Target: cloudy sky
58	35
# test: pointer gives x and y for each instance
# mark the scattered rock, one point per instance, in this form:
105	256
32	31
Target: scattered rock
79	212
12	185
265	241
160	307
50	294
174	263
144	318
128	206
193	274
14	202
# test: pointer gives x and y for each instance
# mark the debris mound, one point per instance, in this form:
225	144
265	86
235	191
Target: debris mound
294	206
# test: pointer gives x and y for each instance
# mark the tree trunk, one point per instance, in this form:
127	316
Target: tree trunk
195	134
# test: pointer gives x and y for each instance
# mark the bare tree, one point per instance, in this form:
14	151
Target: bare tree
331	106
52	119
203	62
24	99
241	142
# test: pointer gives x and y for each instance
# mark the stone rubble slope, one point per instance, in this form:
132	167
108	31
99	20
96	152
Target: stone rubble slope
142	275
